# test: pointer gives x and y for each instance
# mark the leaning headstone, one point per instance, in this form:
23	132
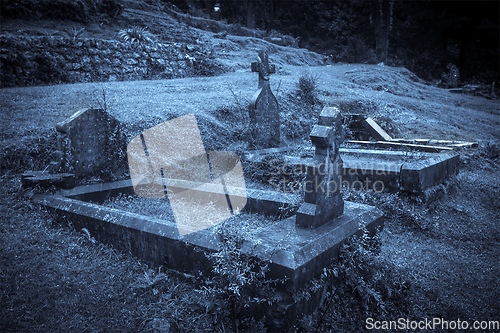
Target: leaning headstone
323	201
90	144
264	109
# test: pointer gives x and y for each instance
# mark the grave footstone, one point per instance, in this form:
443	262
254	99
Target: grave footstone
264	109
90	144
323	201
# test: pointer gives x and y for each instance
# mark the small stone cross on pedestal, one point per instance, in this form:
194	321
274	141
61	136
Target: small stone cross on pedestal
264	109
323	201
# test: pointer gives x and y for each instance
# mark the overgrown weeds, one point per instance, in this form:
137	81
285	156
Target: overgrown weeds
360	284
237	286
31	153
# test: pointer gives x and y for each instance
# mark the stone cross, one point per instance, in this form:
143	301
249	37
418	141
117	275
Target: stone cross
323	201
264	109
264	68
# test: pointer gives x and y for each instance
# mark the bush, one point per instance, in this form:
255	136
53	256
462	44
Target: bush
237	286
360	277
308	84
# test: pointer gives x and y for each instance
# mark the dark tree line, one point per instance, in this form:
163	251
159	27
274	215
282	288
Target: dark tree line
428	37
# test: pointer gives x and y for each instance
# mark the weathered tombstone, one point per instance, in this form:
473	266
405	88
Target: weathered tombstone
323	201
90	144
264	110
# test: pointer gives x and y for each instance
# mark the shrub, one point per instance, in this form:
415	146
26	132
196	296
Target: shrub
136	35
451	78
360	277
308	84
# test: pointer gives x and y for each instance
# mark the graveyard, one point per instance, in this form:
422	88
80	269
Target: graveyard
188	203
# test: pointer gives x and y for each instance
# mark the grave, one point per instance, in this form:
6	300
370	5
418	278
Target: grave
397	165
362	128
296	249
264	109
383	170
90	144
322	201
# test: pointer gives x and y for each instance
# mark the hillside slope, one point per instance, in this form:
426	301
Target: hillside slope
143	42
438	256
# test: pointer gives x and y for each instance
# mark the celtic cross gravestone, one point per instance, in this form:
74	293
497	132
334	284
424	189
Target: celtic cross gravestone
264	109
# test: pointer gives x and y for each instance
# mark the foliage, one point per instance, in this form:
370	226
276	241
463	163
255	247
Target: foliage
238	286
74	32
308	86
136	35
83	11
360	280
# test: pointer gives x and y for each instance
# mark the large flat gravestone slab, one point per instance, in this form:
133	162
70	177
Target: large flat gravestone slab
90	143
264	109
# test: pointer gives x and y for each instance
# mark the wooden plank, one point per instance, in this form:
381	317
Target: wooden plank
465	145
375	130
433	142
397	145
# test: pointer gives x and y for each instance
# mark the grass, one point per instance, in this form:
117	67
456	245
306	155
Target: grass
54	278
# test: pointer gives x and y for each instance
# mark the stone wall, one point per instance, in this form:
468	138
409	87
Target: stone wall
26	61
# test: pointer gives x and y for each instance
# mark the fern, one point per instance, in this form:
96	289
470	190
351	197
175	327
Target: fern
136	35
74	32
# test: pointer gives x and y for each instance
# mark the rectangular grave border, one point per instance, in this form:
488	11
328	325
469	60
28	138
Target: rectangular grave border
387	166
301	255
148	237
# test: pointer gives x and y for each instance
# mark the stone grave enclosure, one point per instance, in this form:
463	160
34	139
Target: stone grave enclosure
296	250
169	161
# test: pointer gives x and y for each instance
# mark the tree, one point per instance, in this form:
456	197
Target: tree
250	14
381	19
